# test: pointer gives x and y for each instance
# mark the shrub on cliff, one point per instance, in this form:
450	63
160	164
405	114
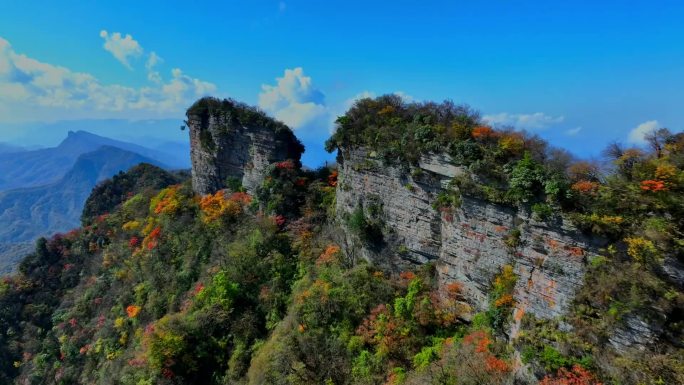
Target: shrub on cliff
236	114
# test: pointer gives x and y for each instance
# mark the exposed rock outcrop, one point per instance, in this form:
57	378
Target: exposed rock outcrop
470	244
232	140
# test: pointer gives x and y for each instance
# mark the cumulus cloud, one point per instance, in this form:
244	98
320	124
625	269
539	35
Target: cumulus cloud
637	134
295	101
31	87
152	61
537	120
122	47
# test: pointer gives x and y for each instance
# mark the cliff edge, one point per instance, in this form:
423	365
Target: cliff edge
234	142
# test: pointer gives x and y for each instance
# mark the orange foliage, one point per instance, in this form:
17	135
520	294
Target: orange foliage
505	300
155	233
576	251
241	197
329	255
576	376
480	339
215	206
494	364
381	329
454	289
132	311
586	187
653	185
583	171
332	178
152	239
407	275
483	133
168	201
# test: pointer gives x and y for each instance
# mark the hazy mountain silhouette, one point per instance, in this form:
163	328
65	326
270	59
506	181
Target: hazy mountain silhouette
6	148
28	213
48	165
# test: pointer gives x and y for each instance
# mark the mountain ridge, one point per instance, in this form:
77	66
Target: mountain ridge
44	166
37	211
441	251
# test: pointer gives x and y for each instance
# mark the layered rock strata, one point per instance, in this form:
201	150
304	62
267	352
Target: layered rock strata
229	140
469	244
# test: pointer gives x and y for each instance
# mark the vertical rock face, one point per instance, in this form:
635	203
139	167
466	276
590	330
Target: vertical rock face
232	140
469	245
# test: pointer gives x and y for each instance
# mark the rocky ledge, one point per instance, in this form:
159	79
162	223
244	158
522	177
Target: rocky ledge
230	141
470	243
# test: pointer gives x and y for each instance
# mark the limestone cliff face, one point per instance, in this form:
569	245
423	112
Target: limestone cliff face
232	140
469	245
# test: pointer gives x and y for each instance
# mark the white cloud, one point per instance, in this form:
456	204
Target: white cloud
295	101
573	131
361	95
122	48
30	90
537	120
637	134
152	61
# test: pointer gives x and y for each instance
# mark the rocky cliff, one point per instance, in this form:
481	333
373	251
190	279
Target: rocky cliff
230	140
469	244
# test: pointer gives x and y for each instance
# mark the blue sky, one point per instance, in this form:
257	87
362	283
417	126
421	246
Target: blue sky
579	73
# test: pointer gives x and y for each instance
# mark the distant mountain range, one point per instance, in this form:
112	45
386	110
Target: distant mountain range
10	149
43	191
40	167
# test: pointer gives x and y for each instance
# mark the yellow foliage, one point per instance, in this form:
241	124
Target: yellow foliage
167	201
641	250
131	226
386	110
150	225
666	172
123	338
507	277
121	274
606	219
512	142
119	322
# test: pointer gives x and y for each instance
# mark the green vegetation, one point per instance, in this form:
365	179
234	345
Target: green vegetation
235	114
230	114
367	227
161	286
109	194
